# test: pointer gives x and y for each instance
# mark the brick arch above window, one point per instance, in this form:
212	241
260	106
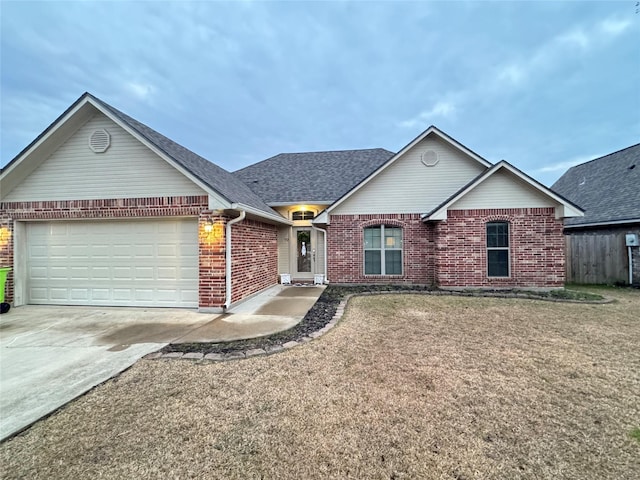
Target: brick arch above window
383	221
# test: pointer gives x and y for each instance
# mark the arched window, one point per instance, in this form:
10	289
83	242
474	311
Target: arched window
498	249
302	215
383	250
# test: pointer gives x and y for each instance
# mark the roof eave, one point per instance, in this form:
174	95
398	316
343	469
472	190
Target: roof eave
275	218
565	208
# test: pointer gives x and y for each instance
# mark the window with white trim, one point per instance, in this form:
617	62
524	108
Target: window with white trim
498	249
383	250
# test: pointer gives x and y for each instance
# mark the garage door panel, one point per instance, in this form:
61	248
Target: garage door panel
79	295
124	263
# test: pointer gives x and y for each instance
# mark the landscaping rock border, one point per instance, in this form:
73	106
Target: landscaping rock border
268	350
319	321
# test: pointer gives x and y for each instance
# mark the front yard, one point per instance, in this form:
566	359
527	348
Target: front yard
406	386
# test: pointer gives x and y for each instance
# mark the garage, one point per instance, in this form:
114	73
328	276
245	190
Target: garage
141	262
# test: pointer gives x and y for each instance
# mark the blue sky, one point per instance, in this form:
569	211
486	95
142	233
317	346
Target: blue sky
543	85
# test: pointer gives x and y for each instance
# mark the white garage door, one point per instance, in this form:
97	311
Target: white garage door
151	263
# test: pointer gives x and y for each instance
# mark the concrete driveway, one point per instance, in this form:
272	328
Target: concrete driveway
50	355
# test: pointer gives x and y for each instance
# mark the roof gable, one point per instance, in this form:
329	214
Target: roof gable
607	188
431	131
564	208
228	190
126	168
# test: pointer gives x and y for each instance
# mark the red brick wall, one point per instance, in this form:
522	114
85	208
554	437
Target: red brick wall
105	208
254	257
536	248
211	249
345	249
6	251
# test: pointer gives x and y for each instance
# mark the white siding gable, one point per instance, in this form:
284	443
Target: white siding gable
408	186
503	190
127	169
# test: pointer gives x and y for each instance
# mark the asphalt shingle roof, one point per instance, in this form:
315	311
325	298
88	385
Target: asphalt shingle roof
607	188
321	177
209	173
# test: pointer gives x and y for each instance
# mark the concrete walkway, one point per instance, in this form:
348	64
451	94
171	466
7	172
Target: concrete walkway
50	355
274	310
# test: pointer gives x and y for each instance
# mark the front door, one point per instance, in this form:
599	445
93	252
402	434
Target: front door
304	254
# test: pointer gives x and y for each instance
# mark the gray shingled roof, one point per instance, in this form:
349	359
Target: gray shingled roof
321	177
607	188
209	173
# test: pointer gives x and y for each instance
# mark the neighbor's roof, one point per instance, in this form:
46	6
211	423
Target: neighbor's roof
209	173
607	188
314	177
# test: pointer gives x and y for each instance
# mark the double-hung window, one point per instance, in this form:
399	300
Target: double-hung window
383	250
498	249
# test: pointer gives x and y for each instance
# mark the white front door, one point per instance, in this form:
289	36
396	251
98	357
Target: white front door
304	252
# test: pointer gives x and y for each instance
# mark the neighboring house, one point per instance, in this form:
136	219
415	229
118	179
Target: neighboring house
608	189
102	210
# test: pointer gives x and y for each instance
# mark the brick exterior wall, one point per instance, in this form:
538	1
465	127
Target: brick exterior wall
345	245
6	251
453	253
211	254
211	250
254	258
536	248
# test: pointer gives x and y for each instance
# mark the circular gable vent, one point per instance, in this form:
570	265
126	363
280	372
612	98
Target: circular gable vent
430	158
99	141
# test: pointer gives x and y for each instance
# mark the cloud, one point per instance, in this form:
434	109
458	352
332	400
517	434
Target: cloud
577	38
554	53
614	27
142	91
562	166
442	109
512	73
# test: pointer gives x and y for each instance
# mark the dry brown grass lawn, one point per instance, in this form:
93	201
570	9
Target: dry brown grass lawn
406	386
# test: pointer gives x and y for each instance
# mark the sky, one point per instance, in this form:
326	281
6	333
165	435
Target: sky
544	85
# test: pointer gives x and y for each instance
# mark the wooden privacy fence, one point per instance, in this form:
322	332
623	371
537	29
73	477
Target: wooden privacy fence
597	258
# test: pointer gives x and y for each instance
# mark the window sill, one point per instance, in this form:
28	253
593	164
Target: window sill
374	275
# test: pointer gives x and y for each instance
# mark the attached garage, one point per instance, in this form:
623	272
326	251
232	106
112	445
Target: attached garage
136	262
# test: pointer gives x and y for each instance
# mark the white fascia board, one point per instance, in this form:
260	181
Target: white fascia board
563	210
443	136
405	149
54	128
303	202
158	152
568	209
438	215
323	218
260	213
217	202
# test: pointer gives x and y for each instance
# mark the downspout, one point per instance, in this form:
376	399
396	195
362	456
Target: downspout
326	273
227	262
